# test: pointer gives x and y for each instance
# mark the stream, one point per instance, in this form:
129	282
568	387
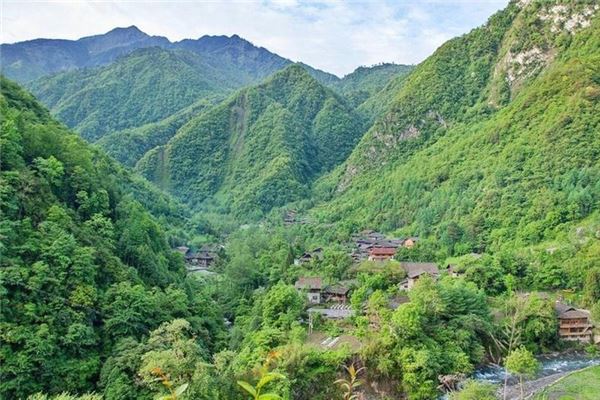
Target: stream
551	364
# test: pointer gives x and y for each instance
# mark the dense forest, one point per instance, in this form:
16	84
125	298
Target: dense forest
170	210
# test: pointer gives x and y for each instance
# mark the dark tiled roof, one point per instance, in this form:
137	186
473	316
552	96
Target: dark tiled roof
383	251
566	311
309	283
414	269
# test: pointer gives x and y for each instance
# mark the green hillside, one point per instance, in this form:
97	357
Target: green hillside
478	151
259	149
86	270
146	86
364	82
129	145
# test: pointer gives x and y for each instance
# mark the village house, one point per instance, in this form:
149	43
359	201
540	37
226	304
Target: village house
307	257
202	259
573	324
311	287
368	240
289	217
381	253
415	270
339	292
196	261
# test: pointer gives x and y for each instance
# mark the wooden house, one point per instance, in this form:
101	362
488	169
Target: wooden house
311	287
339	292
415	270
573	324
381	253
316	254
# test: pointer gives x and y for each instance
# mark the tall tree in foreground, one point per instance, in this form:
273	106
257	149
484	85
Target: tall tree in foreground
523	364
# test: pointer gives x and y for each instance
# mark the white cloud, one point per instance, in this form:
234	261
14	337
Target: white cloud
336	36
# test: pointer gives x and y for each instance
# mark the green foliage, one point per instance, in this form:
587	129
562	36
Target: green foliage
85	267
261	148
466	177
364	82
129	145
441	330
122	95
522	363
474	390
255	392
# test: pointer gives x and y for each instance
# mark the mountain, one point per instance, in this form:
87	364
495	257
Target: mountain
260	148
86	268
242	58
489	144
26	61
145	86
122	94
129	145
364	82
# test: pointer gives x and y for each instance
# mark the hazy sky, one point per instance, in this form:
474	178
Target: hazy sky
336	36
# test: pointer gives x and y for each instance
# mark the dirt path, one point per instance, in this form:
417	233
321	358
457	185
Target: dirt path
530	388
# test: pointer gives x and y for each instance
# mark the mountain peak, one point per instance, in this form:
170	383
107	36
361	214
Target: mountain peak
131	28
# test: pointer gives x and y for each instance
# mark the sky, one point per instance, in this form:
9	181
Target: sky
335	36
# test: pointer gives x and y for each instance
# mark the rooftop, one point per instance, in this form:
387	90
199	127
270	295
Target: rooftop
309	283
414	269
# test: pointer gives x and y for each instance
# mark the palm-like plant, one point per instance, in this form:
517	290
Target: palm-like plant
349	385
174	392
255	391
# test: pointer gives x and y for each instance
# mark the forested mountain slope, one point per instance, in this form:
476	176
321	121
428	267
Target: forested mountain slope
128	146
364	82
86	269
259	149
144	86
26	61
490	143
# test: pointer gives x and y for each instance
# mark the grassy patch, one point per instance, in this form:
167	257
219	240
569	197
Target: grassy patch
583	385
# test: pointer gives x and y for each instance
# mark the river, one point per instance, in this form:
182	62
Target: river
551	364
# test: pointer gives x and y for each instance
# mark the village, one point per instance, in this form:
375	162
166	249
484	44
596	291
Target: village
330	301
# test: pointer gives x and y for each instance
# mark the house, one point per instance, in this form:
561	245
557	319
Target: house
289	217
311	287
339	292
573	324
309	256
372	235
415	270
202	259
381	253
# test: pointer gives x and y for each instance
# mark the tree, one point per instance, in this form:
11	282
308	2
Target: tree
474	390
255	391
522	363
348	385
